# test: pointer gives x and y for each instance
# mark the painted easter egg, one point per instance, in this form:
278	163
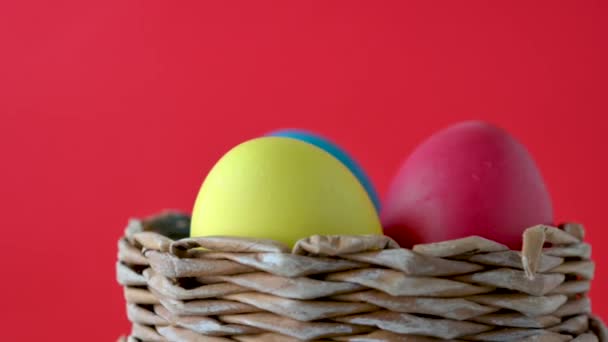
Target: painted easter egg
470	179
282	189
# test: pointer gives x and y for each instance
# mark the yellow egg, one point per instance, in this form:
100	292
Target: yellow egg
281	189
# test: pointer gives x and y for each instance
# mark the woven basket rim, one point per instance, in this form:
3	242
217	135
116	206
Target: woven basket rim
343	286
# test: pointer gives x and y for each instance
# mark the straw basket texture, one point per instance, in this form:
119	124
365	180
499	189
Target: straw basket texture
354	288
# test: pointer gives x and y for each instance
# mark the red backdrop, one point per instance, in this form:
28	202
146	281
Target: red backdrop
114	109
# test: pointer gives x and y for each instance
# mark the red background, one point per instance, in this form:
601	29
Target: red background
114	109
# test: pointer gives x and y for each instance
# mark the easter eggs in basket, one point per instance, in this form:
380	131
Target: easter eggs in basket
239	278
472	178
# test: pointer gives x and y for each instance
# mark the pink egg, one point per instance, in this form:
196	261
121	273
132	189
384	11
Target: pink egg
470	179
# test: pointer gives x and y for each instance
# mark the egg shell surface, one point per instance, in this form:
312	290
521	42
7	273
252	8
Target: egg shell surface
470	179
338	153
281	189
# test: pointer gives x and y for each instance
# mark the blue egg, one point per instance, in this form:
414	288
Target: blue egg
335	151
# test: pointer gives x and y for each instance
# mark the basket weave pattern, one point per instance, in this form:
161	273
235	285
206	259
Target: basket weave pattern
354	288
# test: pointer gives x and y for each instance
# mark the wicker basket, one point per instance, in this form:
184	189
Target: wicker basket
354	288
